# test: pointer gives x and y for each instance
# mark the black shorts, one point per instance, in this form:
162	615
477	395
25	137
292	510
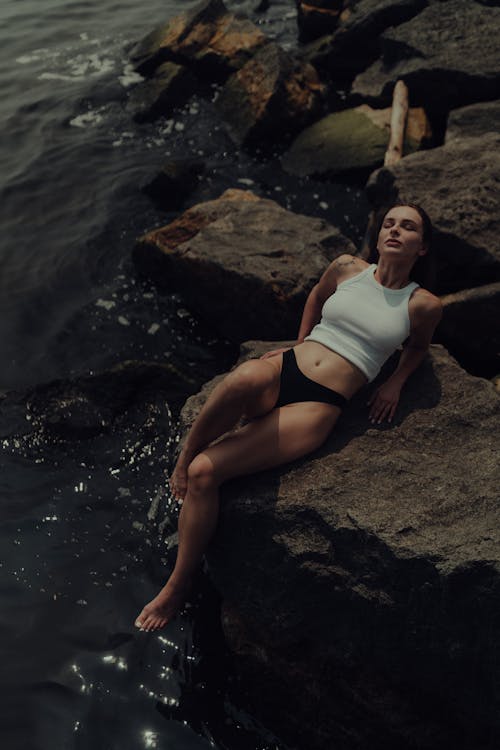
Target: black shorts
296	387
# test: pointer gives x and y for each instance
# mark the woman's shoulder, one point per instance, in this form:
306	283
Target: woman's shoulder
345	266
425	305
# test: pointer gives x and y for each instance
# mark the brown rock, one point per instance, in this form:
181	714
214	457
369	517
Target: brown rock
318	17
362	584
458	185
271	98
243	263
206	37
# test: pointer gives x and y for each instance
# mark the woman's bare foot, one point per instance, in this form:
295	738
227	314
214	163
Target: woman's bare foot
162	608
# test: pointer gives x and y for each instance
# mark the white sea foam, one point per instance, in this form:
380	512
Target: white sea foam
87	119
129	76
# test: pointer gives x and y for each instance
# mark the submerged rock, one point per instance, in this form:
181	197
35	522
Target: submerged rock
271	98
206	37
243	263
447	54
353	139
458	185
174	183
361	585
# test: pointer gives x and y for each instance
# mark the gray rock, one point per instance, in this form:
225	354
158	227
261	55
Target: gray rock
473	120
355	43
458	185
361	584
469	328
271	98
448	54
245	254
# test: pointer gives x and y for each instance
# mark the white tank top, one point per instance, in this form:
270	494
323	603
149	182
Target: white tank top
364	321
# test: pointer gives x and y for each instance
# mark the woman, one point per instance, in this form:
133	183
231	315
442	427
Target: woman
293	397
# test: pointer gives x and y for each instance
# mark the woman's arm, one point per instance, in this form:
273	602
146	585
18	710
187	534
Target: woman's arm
425	315
316	299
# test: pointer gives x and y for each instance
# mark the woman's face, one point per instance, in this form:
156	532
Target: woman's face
401	234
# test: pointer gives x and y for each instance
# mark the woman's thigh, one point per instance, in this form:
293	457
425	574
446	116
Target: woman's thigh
276	438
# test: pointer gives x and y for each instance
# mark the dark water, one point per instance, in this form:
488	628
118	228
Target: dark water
84	522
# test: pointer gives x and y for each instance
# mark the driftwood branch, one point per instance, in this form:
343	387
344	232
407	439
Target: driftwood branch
398	124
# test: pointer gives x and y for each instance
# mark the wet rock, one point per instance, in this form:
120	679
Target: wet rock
271	98
316	18
458	185
170	86
245	254
447	55
473	120
355	43
207	38
82	408
469	331
351	140
361	585
174	183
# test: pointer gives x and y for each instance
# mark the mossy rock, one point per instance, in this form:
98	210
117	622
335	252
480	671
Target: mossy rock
351	140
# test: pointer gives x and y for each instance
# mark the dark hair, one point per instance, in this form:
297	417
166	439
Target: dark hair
424	270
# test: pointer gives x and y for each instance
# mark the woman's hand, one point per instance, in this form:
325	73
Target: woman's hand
383	402
274	352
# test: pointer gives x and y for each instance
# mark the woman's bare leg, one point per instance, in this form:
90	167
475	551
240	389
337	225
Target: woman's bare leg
250	389
276	438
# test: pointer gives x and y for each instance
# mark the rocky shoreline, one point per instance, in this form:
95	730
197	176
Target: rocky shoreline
379	623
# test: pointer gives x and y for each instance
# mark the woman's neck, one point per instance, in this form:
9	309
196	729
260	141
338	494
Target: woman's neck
392	275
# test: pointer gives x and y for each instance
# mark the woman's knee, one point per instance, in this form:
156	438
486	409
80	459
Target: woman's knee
201	474
251	377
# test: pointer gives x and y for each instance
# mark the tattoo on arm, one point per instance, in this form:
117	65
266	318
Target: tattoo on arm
339	262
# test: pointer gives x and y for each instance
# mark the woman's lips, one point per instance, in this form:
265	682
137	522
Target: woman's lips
391	242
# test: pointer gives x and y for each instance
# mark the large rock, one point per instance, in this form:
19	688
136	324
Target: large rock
469	328
361	584
356	41
473	120
448	54
170	86
318	17
206	37
351	140
244	264
458	185
271	98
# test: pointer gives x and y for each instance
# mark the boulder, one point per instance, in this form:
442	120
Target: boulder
174	183
355	43
361	585
458	185
469	328
270	98
351	140
318	17
170	86
473	120
447	55
244	264
206	37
